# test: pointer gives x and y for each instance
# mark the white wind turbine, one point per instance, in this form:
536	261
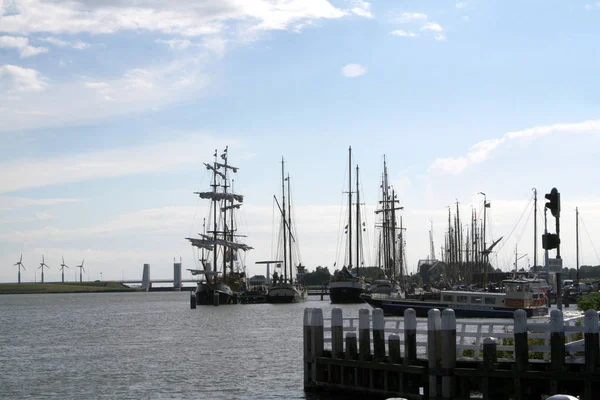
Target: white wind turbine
62	269
20	265
42	265
80	270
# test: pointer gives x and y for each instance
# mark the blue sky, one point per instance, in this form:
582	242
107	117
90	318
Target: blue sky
109	108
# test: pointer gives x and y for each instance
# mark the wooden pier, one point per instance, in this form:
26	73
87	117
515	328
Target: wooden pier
396	358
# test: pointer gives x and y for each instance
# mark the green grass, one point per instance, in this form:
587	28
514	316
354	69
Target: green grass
67	287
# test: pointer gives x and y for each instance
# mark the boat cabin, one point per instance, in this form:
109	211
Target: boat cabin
473	298
524	293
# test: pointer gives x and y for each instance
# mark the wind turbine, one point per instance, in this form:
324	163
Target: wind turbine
62	269
42	265
20	265
80	270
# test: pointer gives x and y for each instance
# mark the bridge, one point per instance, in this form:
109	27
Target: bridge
146	283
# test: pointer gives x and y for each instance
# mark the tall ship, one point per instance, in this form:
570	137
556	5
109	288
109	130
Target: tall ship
346	286
390	247
285	287
222	275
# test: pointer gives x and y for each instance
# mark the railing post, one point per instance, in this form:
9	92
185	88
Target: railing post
316	343
378	335
591	351
410	385
394	346
557	348
364	340
349	377
410	336
521	352
337	333
308	359
489	361
351	346
448	353
434	324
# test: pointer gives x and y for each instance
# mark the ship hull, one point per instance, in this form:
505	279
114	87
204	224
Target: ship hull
285	294
205	294
397	307
346	292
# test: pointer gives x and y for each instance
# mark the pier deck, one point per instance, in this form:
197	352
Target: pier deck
520	360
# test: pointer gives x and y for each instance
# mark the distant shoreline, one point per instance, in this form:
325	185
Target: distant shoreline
67	287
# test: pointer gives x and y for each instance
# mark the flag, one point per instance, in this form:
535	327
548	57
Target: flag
487	204
224	155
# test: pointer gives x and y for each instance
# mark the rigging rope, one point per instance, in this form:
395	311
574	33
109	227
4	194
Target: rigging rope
590	239
513	229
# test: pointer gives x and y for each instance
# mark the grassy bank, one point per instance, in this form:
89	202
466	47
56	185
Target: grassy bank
67	287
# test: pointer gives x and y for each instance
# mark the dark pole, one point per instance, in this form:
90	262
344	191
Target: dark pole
577	239
534	230
350	208
283	221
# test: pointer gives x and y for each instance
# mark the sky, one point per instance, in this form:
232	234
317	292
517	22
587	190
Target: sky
108	110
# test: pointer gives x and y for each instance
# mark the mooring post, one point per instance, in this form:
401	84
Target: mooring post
591	351
337	333
394	349
364	340
410	336
434	324
215	299
349	375
307	336
192	300
351	346
521	352
394	379
316	343
448	353
378	335
489	361
557	348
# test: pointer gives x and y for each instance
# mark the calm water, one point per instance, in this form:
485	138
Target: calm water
151	346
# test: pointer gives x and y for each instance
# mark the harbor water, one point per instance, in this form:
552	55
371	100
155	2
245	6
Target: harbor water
151	346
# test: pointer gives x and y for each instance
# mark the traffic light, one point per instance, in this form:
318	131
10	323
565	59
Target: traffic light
550	241
554	202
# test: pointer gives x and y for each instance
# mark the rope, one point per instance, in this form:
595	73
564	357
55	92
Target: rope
590	239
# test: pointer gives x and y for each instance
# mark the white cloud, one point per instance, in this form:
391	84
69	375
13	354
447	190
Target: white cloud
466	18
432	26
406	17
77	45
481	151
461	4
176	44
149	87
19	79
12	203
25	174
590	7
361	8
21	44
353	70
186	18
440	37
403	33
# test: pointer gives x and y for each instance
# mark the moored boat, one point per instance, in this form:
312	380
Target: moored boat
526	295
283	287
220	244
344	286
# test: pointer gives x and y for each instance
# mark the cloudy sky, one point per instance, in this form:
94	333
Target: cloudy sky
109	108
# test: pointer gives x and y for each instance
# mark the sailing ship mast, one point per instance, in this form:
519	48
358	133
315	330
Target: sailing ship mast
283	220
358	231
290	226
350	209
